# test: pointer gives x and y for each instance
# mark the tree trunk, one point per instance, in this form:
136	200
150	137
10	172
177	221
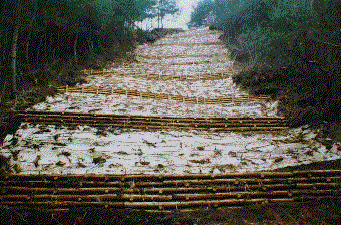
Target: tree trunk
14	56
38	52
3	92
32	20
158	18
75	49
5	49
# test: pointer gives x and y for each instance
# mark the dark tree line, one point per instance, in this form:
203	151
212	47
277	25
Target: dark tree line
291	49
40	39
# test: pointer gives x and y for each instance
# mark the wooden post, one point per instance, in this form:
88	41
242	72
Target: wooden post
112	90
66	88
82	89
197	100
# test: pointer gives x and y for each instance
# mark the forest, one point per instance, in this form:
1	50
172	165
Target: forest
289	49
46	41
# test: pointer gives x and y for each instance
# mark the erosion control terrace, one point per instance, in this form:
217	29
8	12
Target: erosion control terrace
169	131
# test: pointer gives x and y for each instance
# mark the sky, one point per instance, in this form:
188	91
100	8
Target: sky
177	21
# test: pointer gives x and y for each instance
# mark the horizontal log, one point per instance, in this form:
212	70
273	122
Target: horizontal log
163	190
131	117
186	36
160	205
305	173
156	126
193	77
215	123
60	190
184	63
79	198
160	95
151	127
110	182
178	56
143	122
178	123
168	198
188	44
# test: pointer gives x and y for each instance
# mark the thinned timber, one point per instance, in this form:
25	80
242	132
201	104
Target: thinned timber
167	192
187	44
153	76
153	123
179	56
183	63
186	36
157	96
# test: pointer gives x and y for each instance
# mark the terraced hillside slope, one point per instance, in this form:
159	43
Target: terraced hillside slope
173	111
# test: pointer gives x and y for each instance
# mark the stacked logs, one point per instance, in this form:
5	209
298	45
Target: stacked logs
135	93
188	44
192	35
153	122
167	192
135	74
179	56
183	63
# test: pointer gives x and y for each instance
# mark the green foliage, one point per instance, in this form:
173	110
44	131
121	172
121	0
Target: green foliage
291	49
201	13
264	29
